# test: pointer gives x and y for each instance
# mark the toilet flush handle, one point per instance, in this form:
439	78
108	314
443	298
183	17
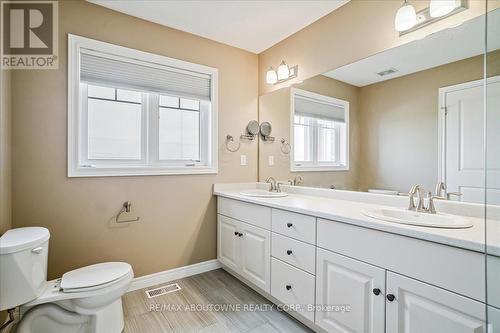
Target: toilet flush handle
37	250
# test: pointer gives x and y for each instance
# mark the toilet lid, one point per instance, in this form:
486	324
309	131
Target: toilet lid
94	275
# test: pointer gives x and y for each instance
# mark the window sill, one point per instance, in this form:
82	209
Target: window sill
319	168
130	172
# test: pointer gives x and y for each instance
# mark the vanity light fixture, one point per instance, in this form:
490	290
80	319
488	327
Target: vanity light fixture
406	17
283	73
407	20
440	8
271	76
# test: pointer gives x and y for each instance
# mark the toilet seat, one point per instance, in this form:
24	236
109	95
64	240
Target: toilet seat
93	277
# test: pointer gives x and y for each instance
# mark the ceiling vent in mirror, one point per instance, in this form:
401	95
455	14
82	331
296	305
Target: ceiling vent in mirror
387	71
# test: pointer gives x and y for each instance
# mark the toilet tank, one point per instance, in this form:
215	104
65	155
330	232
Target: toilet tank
23	265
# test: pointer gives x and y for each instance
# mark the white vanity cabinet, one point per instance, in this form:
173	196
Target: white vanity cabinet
246	250
350	295
348	278
419	307
255	255
228	242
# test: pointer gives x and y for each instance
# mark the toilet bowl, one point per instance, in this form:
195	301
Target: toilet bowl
84	300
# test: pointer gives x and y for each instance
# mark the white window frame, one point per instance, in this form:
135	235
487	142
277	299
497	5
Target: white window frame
78	165
316	165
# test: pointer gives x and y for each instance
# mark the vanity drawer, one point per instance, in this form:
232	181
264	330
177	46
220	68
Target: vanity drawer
294	252
257	215
298	226
291	286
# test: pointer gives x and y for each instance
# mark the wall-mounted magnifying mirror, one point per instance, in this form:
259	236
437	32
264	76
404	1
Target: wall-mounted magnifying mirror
265	131
253	127
252	130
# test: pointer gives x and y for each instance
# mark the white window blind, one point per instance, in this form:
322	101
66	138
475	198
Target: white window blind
310	107
141	75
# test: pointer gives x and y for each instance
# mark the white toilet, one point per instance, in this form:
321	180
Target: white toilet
85	300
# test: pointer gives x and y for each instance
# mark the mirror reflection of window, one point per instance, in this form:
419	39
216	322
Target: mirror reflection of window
319	132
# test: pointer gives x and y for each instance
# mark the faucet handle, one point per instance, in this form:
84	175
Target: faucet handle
430	205
456	194
278	186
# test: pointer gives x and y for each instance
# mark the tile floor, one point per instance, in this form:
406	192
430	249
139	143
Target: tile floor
215	288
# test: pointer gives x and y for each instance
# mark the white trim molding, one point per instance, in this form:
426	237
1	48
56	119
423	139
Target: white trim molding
315	166
150	163
173	274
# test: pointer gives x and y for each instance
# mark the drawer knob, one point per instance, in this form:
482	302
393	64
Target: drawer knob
289	225
376	291
288	287
240	234
236	233
289	252
391	297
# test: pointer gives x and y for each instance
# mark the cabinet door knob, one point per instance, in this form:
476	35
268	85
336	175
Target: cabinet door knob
376	291
240	234
289	225
288	287
289	252
236	233
391	297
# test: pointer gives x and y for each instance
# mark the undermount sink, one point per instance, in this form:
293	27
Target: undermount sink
263	193
401	216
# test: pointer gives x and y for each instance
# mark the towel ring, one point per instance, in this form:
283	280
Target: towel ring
229	138
125	209
285	146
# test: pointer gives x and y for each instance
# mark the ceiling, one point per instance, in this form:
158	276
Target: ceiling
443	47
250	25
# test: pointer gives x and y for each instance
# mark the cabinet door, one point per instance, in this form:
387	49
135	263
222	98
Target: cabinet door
255	255
418	307
346	294
228	242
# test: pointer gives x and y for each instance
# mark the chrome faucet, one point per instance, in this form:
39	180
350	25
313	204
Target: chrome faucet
274	184
297	180
421	208
416	190
442	194
440	189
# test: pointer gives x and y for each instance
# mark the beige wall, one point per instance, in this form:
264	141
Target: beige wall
178	213
275	108
355	31
5	151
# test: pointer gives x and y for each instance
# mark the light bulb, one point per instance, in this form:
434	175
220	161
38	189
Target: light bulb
406	17
271	76
283	71
441	7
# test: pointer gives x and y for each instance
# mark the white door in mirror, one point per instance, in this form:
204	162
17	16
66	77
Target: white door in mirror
402	216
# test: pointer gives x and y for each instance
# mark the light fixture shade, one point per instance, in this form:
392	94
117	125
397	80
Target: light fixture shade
441	7
283	71
406	17
271	76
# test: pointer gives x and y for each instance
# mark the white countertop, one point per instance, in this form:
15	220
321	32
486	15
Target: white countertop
350	211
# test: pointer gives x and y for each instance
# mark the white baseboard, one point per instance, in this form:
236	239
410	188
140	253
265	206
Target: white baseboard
173	274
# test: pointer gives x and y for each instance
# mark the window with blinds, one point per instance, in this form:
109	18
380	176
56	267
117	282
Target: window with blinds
319	132
136	113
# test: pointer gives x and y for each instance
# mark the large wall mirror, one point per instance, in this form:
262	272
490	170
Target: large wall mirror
413	114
